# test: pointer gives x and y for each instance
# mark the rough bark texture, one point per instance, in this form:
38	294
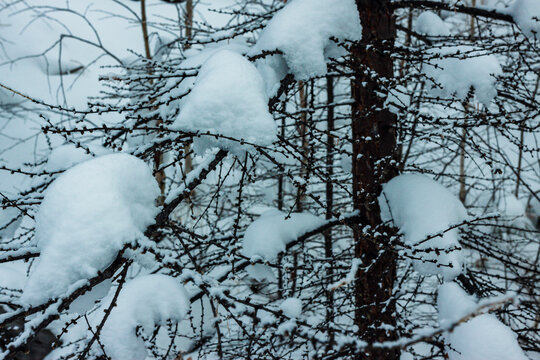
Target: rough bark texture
374	155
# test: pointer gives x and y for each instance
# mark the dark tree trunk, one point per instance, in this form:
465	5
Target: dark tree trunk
374	163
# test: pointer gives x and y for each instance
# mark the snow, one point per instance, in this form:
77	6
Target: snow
9	221
526	14
429	23
228	99
66	156
269	235
146	301
482	337
86	217
302	32
291	307
261	272
513	207
457	75
194	58
421	207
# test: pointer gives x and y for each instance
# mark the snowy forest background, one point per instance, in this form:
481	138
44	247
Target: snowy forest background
270	179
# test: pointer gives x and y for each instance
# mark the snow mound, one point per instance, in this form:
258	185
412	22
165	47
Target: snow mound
429	23
482	337
66	156
194	58
526	14
421	207
272	231
302	31
456	76
146	301
291	307
86	217
228	99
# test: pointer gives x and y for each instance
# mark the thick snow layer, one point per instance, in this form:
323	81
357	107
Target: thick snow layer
228	99
146	301
483	337
421	207
302	32
429	23
291	307
526	14
272	231
86	217
455	76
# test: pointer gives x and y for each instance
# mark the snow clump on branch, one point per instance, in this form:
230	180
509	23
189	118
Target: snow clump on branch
456	69
269	235
146	301
87	215
421	207
302	31
228	99
482	337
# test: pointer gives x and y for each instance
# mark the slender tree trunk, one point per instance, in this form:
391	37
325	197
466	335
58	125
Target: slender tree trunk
158	155
328	241
374	163
188	25
462	179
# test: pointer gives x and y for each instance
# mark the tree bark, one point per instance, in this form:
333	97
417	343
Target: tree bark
374	163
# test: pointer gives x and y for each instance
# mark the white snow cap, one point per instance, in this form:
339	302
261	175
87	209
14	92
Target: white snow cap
429	23
86	217
229	99
483	337
456	75
420	207
272	231
146	301
291	307
526	14
302	31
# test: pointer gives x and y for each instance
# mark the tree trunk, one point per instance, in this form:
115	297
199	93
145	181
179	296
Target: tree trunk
374	163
